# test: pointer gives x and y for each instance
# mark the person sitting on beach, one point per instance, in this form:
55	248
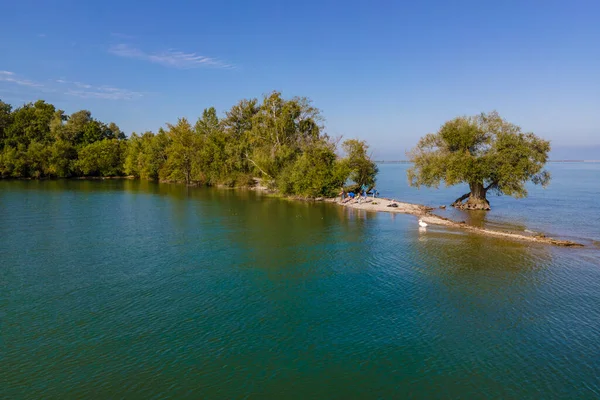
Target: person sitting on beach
370	191
342	195
348	197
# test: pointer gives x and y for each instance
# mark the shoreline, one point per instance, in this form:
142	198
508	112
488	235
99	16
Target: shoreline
425	213
379	204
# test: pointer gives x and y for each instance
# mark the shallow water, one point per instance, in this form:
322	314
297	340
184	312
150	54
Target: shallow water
568	208
121	288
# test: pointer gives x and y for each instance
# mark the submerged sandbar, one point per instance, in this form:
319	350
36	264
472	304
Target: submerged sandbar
426	214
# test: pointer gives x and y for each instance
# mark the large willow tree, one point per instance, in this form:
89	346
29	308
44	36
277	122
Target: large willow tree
486	152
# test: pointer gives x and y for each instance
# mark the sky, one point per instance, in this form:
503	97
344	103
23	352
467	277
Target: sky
388	72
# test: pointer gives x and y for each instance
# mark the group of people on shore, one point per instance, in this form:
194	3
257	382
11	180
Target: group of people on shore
360	195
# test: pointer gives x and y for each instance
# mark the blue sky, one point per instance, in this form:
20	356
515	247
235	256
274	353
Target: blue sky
385	71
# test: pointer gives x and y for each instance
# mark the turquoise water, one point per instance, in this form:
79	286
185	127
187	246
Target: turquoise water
131	289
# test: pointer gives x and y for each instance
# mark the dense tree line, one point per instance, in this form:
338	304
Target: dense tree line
37	140
281	141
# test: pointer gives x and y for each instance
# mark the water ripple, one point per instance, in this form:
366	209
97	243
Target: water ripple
139	293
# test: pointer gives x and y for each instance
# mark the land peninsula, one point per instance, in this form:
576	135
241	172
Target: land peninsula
281	141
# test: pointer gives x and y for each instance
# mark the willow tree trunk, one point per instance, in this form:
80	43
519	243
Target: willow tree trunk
476	198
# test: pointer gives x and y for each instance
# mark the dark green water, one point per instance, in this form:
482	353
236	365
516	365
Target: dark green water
130	289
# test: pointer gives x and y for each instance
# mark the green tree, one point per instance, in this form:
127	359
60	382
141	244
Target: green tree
75	126
62	159
81	129
93	132
212	159
112	131
131	164
31	122
279	131
13	162
317	172
182	153
57	125
237	125
38	160
209	123
5	121
486	152
146	155
154	154
102	158
363	170
279	139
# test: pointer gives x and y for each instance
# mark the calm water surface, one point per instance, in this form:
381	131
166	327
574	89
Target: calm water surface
131	289
569	208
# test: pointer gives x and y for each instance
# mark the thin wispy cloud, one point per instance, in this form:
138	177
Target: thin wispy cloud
87	91
78	84
11	77
106	93
70	88
170	58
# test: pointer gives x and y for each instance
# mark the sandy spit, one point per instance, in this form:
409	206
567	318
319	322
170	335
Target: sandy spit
426	214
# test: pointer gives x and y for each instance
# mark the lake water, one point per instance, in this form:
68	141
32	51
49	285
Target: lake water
569	208
131	289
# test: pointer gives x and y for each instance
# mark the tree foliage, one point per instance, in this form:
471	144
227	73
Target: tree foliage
146	155
37	141
183	154
316	172
102	158
363	170
281	141
486	152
